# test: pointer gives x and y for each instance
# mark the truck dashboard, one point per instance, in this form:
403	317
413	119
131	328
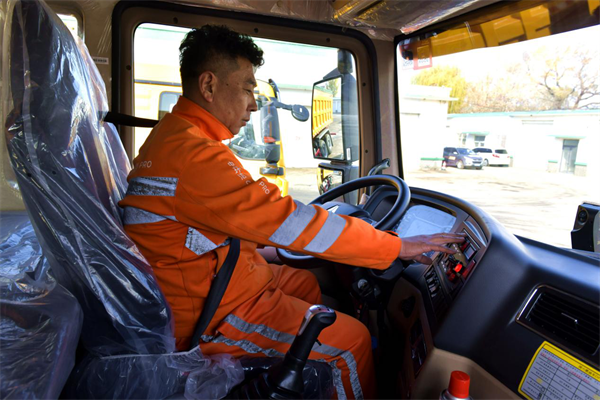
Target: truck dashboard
494	302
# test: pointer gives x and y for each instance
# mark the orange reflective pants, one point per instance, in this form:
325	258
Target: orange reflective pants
267	325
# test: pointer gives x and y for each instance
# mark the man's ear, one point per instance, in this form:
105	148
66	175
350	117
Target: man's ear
207	82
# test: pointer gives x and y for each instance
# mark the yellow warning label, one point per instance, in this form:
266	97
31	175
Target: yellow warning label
552	373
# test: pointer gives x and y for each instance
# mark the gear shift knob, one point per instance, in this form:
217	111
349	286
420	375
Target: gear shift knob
287	376
284	379
316	319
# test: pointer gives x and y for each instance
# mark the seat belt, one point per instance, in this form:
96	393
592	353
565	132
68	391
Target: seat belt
128	120
219	284
216	291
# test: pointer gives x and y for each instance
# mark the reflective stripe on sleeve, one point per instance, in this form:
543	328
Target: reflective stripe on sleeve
152	186
331	230
284	337
200	244
293	225
134	215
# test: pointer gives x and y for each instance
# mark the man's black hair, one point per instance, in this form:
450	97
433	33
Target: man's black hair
203	47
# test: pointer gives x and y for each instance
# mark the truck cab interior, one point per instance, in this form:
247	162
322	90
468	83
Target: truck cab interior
81	314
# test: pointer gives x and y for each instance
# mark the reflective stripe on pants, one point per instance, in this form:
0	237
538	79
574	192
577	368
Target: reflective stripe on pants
267	324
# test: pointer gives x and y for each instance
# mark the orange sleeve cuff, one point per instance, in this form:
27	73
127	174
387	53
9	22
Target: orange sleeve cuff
393	243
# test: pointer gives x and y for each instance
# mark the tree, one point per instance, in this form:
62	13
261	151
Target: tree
567	81
509	91
445	76
544	80
333	86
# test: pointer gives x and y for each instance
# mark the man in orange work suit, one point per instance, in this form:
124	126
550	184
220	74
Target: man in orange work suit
188	194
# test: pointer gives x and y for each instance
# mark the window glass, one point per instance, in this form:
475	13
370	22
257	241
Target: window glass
166	102
526	81
479	140
289	72
72	23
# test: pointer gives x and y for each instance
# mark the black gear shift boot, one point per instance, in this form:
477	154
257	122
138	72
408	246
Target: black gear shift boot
284	379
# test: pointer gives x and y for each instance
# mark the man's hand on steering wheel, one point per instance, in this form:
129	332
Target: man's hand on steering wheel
413	247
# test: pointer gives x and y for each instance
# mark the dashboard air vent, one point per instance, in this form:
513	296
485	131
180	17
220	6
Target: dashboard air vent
571	321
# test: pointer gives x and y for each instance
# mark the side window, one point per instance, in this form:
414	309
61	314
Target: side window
73	22
282	150
166	102
479	140
522	80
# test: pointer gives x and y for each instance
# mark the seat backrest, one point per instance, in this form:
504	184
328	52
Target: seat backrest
71	169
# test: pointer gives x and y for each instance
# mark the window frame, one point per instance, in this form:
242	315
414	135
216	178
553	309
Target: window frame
128	15
65	8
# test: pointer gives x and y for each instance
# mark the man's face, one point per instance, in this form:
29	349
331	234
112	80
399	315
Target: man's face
234	96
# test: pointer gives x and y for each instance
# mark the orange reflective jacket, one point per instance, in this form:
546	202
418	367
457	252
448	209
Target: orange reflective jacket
188	195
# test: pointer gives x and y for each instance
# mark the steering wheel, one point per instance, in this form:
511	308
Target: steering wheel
325	200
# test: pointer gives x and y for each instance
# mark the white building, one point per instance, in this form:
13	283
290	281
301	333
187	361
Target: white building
555	141
423	120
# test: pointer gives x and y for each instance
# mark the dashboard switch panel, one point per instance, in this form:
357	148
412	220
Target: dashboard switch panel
453	270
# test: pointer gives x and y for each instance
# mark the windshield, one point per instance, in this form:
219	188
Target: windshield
509	90
465	151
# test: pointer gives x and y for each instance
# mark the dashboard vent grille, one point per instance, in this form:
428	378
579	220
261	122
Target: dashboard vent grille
571	321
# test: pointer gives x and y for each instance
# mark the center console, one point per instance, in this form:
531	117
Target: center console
449	273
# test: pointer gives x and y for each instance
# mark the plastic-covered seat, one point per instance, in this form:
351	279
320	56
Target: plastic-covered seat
71	169
40	320
71	180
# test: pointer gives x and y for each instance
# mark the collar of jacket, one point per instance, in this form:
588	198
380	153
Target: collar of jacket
208	123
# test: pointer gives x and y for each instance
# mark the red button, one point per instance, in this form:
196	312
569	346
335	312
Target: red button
458	268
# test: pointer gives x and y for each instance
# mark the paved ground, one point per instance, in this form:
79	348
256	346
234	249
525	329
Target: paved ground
534	204
303	183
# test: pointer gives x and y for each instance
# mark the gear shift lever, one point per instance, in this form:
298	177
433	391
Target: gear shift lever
284	379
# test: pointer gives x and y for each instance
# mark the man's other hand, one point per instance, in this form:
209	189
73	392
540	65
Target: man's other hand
413	247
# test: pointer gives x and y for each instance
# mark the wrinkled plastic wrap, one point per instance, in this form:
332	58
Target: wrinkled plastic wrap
379	19
399	16
155	376
186	374
71	170
40	321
